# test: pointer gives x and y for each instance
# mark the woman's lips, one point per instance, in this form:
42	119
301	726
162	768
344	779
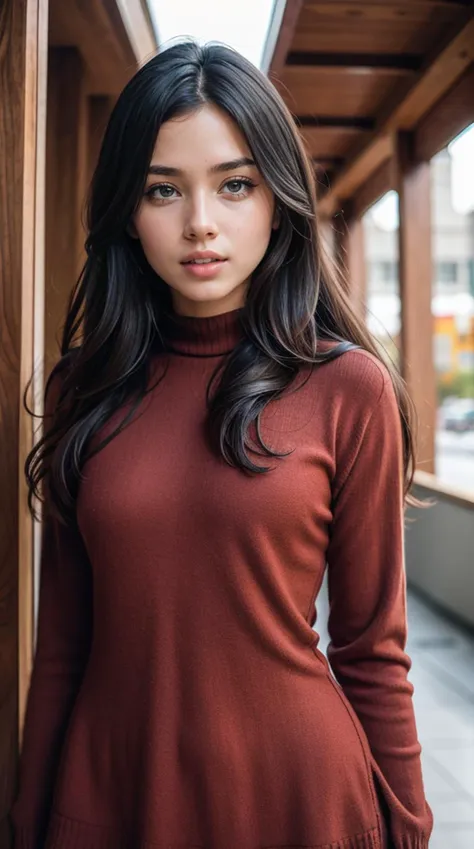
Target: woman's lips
204	270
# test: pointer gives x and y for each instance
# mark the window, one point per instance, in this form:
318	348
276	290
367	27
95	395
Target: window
389	271
384	271
443	352
380	224
446	272
453	306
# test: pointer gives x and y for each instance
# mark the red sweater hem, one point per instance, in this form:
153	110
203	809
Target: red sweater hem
66	833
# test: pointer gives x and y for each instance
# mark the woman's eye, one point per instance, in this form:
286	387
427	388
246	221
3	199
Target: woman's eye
163	191
235	185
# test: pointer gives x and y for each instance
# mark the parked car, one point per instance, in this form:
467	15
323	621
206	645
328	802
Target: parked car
459	415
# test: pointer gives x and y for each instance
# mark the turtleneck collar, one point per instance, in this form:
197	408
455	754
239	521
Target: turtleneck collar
208	336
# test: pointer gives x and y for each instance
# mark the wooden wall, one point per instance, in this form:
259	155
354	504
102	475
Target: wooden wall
23	57
75	126
55	100
46	160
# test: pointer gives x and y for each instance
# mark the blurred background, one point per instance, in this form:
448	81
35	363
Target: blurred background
383	93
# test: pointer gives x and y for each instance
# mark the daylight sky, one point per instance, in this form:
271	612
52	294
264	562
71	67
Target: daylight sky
215	20
462	151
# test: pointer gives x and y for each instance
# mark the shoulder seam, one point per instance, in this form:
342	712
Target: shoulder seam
379	365
361	431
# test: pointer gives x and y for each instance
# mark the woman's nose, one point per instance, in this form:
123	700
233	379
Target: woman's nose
200	222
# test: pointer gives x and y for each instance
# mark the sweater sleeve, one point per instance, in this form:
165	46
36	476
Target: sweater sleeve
63	638
367	622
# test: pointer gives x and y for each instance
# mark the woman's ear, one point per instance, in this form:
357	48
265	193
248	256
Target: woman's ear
132	230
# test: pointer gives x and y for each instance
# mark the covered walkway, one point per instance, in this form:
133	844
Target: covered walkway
379	88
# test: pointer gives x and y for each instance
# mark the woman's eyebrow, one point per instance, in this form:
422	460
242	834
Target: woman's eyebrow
168	171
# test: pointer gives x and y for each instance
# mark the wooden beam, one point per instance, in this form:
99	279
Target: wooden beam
398	63
353	71
108	57
136	20
330	90
323	161
447	119
412	181
340	124
23	47
373	189
433	83
436	80
319	141
280	36
350	179
113	37
375	10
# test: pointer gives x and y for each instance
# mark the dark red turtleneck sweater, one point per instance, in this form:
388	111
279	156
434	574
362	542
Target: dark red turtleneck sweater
178	697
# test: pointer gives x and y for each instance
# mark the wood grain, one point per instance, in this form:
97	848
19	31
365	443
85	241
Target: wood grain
413	183
373	188
66	183
289	23
334	91
23	45
382	26
447	118
444	68
111	45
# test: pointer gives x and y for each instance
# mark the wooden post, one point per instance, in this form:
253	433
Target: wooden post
67	169
351	253
23	50
412	181
356	264
339	223
99	114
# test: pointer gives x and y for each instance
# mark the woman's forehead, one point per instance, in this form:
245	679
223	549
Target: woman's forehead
206	137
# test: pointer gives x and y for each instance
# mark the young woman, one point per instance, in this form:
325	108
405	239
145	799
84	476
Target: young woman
220	429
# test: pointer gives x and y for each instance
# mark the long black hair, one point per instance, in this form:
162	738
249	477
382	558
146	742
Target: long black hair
296	296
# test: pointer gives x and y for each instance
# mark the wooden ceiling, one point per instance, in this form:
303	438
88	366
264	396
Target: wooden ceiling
112	36
354	72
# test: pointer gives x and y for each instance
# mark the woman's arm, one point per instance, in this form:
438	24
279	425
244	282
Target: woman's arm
63	642
367	597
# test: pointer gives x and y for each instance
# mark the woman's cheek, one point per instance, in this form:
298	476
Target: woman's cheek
155	237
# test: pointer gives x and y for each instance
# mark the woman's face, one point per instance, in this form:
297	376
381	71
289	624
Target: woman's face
199	198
